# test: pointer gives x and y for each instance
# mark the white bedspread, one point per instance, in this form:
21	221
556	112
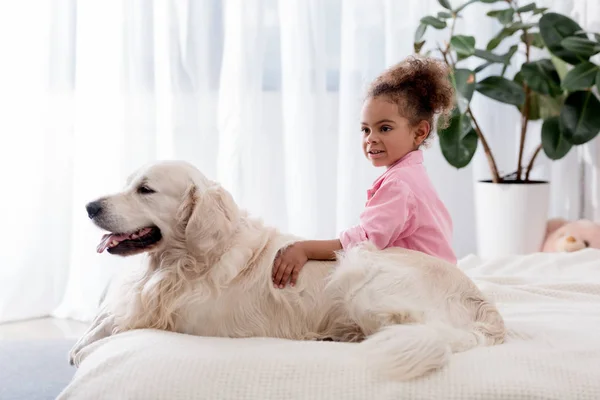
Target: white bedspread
551	303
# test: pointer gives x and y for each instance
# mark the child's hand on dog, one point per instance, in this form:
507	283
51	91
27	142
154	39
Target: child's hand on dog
288	262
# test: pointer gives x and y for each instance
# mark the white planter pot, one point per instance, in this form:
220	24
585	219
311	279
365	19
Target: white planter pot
510	217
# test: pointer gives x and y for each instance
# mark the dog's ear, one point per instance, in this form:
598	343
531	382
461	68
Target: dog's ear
209	219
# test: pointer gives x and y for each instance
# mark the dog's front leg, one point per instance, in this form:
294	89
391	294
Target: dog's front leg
101	327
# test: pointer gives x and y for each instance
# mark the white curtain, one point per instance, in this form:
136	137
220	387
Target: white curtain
263	95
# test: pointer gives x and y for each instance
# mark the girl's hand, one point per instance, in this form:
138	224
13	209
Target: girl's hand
289	261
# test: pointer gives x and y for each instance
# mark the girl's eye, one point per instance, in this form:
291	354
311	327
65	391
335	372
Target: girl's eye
386	128
365	130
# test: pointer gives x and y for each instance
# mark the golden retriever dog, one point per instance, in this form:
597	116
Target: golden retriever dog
208	267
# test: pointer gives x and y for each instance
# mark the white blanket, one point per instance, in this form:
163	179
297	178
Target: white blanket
551	304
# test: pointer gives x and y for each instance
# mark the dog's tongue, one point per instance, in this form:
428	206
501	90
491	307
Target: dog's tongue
108	239
112	239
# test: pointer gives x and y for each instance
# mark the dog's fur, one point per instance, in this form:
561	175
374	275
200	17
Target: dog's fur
210	275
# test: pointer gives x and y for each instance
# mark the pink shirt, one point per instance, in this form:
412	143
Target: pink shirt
404	210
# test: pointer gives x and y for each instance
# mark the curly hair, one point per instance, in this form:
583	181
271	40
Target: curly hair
421	88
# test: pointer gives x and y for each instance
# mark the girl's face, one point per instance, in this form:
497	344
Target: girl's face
387	136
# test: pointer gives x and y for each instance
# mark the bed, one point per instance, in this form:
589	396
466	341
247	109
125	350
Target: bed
551	304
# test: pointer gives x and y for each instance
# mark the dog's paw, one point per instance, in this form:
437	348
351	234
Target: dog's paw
75	353
312	336
74	357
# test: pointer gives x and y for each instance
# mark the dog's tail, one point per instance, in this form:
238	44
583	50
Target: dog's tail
489	324
408	351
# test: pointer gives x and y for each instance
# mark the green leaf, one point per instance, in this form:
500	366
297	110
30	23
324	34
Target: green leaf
502	90
482	67
463	45
598	81
459	140
526	8
553	142
597	36
496	40
511	52
521	25
464	82
540	106
580	117
509	31
540	10
550	106
434	22
556	27
534	100
444	15
582	77
560	65
533	39
513	49
460	57
496	58
445	4
459	9
581	46
489	56
418	46
420	32
541	76
504	16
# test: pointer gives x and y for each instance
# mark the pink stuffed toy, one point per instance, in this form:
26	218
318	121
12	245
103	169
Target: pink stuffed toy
568	236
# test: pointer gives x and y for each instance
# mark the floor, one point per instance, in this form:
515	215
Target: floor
34	357
43	328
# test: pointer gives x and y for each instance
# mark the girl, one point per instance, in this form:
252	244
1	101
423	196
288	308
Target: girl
403	208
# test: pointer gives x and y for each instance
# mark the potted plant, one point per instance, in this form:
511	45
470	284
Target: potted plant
560	89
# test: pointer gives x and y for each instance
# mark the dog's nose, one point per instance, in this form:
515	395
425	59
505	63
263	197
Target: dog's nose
94	208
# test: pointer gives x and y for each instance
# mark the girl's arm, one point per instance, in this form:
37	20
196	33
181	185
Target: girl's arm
388	215
290	260
321	249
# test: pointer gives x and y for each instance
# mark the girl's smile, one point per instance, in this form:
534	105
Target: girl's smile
387	135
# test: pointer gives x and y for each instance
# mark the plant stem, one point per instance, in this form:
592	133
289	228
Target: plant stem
525	111
453	64
524	123
530	166
486	148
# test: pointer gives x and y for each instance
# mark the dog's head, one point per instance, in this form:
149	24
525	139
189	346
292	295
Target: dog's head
166	204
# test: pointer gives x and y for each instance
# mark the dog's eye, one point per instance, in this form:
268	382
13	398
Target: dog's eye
145	190
586	243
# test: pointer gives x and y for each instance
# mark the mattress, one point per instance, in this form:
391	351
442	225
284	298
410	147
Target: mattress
551	304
